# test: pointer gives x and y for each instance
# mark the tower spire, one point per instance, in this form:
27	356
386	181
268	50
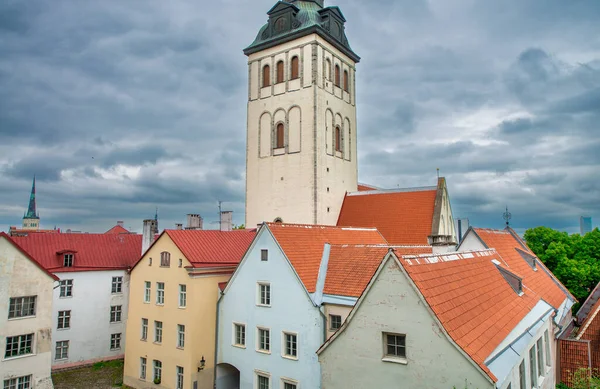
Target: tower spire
31	210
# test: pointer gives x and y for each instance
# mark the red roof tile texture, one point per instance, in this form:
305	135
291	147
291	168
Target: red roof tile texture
91	251
363	187
403	218
473	301
202	247
27	255
303	245
117	230
540	281
574	355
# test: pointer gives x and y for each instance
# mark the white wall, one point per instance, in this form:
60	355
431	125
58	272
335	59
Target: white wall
89	335
19	277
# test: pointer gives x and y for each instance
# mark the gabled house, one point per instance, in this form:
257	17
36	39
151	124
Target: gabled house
172	307
459	320
90	302
25	318
270	315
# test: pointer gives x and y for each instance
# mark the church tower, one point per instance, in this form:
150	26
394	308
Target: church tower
31	220
301	134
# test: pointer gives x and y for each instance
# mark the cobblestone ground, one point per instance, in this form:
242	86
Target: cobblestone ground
102	375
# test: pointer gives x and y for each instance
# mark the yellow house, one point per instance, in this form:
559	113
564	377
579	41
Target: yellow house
172	307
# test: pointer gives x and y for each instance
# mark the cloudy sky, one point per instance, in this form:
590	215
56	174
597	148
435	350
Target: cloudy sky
119	107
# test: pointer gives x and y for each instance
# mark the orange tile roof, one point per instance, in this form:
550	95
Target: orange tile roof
202	247
540	281
92	251
403	217
472	300
27	255
364	187
303	245
118	230
350	268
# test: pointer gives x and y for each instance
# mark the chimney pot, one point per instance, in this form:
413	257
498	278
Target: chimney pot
120	223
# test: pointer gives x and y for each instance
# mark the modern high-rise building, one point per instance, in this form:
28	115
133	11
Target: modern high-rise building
585	224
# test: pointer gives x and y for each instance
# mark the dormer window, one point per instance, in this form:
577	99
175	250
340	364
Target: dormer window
515	282
68	260
165	259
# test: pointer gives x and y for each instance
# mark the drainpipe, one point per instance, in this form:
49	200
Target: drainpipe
216	340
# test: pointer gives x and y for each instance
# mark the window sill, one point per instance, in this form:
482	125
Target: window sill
116	322
63	329
291	358
115	349
401	361
239	346
157	343
268	352
146	302
116	293
21	318
65	297
18	357
181	307
143	340
160	305
279	151
179	348
263	305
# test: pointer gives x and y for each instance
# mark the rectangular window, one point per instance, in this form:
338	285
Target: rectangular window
66	288
264	294
115	313
18	345
64	320
160	293
165	259
117	285
262	381
394	345
264	255
290	346
68	260
18	383
532	367
182	296
240	334
115	341
144	329
158	331
540	357
289	385
180	335
522	378
143	368
335	322
548	355
157	370
264	339
147	291
179	377
62	350
21	307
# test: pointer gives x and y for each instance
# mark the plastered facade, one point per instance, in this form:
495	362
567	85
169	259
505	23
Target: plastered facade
334	309
305	181
20	277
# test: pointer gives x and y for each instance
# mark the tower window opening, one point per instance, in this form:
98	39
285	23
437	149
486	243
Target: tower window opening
328	70
338	139
346	86
266	76
280	70
280	136
295	68
337	75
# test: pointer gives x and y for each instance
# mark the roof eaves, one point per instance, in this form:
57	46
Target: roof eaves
26	254
156	239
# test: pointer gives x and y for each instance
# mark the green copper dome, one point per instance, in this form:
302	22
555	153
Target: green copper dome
289	20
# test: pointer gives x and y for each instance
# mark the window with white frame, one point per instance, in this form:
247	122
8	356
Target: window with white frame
262	381
165	259
264	255
64	320
160	293
68	260
290	345
289	384
264	294
394	345
157	370
182	296
179	382
264	339
21	306
115	313
18	345
540	357
62	350
142	368
522	377
23	382
66	288
532	367
180	335
548	355
158	327
115	341
239	331
147	291
117	285
144	329
335	322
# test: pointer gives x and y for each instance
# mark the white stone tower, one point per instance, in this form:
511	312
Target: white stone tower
301	136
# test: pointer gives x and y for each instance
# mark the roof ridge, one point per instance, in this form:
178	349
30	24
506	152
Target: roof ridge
398	190
447	257
322	226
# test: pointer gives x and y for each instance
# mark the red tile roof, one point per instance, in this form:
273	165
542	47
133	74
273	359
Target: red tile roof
92	251
364	187
118	230
27	255
350	268
540	281
303	245
403	217
204	247
574	355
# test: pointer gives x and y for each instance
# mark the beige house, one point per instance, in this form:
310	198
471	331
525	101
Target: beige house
25	319
170	335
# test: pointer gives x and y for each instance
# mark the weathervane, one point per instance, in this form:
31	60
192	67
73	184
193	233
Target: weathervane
506	216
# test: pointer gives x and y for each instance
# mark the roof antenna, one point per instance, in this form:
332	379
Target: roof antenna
507	216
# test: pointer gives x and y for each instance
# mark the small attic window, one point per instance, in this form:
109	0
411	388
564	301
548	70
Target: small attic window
180	262
68	260
530	259
165	259
515	282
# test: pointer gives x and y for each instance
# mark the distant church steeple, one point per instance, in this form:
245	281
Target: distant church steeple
31	219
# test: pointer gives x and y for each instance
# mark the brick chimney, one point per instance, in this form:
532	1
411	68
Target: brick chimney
194	222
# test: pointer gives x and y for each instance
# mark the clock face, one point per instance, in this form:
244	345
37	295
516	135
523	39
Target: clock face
280	24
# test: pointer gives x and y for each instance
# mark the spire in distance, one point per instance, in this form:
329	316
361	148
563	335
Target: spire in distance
31	210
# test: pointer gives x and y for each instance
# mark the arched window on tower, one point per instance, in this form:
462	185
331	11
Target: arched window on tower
328	70
338	139
280	72
266	76
346	84
337	75
295	68
280	136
